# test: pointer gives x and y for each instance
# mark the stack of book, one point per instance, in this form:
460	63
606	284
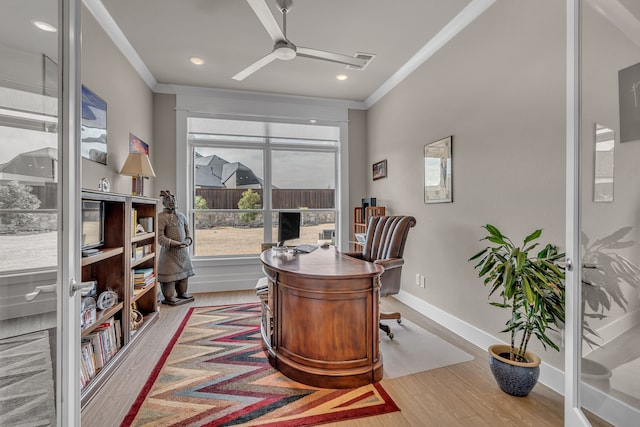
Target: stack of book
87	362
134	221
98	348
143	277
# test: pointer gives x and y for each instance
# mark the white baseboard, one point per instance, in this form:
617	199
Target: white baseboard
619	326
611	410
603	405
611	331
550	376
239	285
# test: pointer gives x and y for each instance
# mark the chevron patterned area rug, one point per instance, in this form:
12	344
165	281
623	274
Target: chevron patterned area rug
215	373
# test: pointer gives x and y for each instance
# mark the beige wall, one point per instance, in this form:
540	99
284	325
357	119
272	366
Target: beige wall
164	131
359	168
129	106
498	88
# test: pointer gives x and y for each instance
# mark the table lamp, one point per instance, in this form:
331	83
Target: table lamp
138	167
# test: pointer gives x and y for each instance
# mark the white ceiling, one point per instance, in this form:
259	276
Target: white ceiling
159	37
229	37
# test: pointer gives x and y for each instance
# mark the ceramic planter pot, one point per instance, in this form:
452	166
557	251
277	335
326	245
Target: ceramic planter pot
514	378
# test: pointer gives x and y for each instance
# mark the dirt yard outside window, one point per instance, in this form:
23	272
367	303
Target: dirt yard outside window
245	241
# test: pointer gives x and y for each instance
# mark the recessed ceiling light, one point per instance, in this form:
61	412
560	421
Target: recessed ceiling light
312	121
44	26
342	77
197	61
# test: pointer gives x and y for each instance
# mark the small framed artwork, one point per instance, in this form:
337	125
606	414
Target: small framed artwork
380	170
94	127
136	145
438	171
629	100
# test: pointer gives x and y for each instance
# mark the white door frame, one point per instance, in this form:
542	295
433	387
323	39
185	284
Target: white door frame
69	177
573	414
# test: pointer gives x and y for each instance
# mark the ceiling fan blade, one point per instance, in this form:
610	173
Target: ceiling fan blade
265	60
306	52
268	21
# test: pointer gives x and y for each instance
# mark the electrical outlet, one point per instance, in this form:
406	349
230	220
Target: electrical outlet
418	279
422	281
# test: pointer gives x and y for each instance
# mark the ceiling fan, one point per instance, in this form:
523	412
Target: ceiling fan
283	48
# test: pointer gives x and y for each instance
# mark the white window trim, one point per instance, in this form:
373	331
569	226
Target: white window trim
235	273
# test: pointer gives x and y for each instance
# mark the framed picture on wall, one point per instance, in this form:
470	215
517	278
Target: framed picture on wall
629	100
136	145
380	169
438	172
93	133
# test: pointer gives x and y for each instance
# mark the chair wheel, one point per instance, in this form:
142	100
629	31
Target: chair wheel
386	329
399	321
390	335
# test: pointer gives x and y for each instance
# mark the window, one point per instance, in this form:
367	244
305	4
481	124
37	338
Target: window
245	172
28	178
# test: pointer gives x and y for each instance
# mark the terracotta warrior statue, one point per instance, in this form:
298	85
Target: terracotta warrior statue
174	264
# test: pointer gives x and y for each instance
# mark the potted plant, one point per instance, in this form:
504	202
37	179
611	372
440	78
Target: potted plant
532	288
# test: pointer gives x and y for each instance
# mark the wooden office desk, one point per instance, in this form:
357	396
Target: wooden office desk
320	317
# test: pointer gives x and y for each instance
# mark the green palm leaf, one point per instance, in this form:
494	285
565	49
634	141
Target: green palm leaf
531	288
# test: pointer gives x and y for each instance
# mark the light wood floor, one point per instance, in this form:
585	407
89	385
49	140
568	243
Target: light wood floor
459	395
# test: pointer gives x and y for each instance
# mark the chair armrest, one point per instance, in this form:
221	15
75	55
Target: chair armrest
356	254
390	263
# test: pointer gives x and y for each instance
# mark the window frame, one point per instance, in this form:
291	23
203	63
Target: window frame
265	144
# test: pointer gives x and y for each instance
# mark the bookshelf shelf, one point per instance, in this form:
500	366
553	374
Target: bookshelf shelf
102	315
137	262
148	320
143	236
140	292
104	254
360	221
106	341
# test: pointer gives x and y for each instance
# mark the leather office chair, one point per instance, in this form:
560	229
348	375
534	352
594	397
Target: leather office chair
384	245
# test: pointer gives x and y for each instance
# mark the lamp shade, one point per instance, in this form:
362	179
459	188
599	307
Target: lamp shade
138	164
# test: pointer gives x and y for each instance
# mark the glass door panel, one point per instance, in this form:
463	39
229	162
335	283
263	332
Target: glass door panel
610	224
30	216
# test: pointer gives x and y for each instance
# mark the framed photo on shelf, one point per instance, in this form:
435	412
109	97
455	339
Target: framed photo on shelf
438	171
380	169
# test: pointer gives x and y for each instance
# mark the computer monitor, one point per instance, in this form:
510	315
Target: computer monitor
92	224
288	226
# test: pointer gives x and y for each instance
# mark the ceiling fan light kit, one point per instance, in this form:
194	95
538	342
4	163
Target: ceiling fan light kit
284	49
